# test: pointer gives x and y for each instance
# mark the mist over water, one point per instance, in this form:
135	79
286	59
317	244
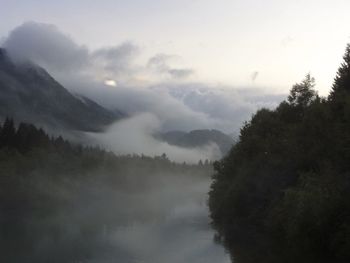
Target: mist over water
168	223
135	135
136	217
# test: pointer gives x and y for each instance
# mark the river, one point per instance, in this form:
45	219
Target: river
144	219
168	223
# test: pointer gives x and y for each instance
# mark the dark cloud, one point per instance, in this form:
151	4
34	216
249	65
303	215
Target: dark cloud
47	46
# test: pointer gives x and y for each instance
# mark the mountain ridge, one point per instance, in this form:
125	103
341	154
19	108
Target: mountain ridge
29	93
198	138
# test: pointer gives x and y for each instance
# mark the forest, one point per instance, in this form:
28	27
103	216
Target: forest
59	200
283	191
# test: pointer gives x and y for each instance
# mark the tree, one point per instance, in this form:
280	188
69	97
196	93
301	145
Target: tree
302	94
339	96
341	85
286	183
8	132
164	156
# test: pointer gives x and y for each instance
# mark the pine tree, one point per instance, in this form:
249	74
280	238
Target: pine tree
341	85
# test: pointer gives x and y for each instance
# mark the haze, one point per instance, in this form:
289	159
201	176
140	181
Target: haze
153	100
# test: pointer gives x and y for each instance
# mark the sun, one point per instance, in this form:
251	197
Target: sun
110	82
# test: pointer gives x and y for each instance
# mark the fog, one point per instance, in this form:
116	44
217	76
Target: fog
177	231
136	135
136	215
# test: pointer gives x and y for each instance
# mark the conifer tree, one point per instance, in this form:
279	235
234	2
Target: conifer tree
341	85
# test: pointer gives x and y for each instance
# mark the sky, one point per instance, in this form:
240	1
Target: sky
267	44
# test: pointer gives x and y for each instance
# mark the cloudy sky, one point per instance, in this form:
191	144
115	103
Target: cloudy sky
270	44
178	65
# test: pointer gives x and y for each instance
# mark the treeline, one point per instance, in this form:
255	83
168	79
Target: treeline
58	198
284	188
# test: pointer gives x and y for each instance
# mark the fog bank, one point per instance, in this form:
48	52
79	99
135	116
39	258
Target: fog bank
135	136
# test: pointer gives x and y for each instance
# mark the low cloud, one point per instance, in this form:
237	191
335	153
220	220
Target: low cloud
159	88
45	45
135	135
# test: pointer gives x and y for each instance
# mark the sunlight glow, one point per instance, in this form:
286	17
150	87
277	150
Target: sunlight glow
110	82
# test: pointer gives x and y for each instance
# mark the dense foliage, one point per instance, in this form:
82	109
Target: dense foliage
58	199
284	188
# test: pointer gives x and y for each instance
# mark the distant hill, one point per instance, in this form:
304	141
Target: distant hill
28	93
197	138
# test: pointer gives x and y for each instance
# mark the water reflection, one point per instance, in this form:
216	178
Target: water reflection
178	230
163	218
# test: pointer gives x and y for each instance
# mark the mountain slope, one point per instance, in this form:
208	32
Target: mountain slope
29	93
197	138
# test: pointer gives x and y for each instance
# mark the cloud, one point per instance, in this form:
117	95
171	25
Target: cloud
47	46
135	135
180	73
161	64
225	108
159	61
116	60
176	105
56	51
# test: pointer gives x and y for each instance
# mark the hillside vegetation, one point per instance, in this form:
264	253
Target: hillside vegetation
58	200
284	188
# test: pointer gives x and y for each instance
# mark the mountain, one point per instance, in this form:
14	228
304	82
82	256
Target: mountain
28	93
197	138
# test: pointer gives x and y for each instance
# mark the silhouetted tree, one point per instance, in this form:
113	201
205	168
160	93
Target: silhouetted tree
302	94
341	85
287	181
7	135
